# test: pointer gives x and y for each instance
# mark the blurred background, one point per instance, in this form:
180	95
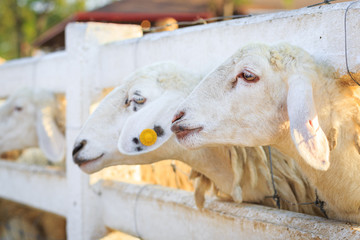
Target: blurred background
30	27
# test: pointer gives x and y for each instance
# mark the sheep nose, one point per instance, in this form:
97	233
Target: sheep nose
178	116
175	128
78	148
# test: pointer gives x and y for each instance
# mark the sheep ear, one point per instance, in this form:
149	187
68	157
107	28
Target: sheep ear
157	116
51	140
306	133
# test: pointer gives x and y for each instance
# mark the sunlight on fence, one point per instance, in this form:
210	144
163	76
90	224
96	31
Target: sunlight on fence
97	57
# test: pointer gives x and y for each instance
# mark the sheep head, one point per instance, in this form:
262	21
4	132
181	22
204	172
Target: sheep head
146	100
257	97
155	116
28	120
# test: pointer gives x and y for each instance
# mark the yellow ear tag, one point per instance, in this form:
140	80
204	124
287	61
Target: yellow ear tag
148	137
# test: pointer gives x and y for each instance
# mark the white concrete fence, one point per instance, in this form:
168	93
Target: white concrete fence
97	57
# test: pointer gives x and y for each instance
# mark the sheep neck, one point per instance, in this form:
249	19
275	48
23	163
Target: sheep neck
337	107
214	163
253	173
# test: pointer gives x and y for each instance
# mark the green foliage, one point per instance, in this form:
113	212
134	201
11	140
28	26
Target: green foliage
241	2
22	21
289	3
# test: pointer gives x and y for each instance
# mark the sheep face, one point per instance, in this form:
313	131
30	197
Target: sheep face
254	99
156	116
147	100
17	122
96	143
27	120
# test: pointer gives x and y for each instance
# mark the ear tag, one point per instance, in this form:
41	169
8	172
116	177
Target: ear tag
148	137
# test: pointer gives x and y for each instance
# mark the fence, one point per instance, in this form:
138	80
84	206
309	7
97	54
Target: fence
97	58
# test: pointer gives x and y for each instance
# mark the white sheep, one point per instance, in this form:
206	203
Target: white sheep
31	118
146	101
22	125
279	95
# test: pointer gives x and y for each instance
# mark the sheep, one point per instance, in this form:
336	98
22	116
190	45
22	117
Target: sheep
28	103
146	101
29	119
23	116
281	96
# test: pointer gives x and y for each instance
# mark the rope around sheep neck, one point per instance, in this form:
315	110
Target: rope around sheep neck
346	48
276	197
135	210
318	203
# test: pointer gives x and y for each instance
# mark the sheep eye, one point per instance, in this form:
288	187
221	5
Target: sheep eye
127	102
18	109
248	76
139	99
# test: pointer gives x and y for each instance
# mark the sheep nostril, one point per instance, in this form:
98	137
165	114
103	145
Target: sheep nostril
178	116
78	147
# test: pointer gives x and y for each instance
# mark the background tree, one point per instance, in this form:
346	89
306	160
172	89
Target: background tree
22	21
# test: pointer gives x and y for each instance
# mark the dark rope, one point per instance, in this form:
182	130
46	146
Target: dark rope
318	203
324	2
276	197
346	49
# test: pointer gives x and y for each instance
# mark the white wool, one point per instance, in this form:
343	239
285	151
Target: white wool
168	76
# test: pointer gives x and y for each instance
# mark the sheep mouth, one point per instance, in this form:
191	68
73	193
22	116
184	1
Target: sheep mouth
182	132
83	162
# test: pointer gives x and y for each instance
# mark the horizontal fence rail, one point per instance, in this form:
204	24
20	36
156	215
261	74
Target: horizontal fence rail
35	186
48	71
97	57
154	212
319	30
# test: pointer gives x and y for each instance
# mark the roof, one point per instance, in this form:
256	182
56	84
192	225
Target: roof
156	6
129	11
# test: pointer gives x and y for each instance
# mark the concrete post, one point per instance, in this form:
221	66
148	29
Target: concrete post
84	216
